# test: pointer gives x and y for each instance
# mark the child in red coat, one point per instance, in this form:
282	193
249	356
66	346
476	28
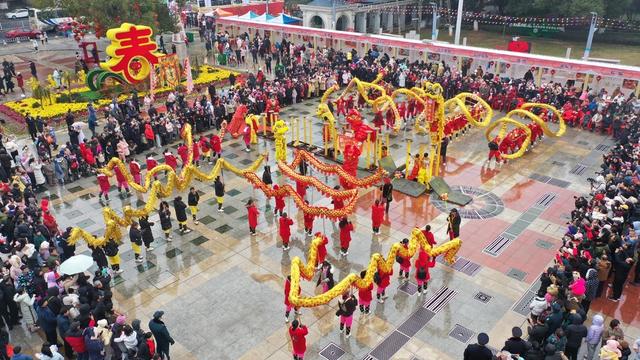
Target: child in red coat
364	296
377	216
122	180
252	216
170	159
298	333
279	202
382	280
287	304
405	264
151	163
308	222
134	169
346	227
285	230
423	264
105	186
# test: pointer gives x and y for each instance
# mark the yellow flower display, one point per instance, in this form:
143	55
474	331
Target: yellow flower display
207	74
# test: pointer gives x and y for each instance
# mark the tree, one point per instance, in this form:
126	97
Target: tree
102	15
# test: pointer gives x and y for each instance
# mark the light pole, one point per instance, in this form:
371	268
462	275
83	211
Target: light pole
459	22
434	22
333	14
592	30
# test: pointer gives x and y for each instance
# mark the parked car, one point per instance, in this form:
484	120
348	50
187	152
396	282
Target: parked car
17	14
31	34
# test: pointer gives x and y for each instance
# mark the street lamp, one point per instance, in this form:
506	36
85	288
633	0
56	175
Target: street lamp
459	22
592	30
434	34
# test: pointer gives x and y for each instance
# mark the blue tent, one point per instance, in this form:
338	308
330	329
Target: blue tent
285	19
264	18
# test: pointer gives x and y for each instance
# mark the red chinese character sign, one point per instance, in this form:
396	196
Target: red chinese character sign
133	53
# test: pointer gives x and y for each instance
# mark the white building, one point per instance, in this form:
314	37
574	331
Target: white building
371	17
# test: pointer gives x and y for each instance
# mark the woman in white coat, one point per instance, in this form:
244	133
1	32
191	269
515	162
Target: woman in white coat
37	172
25	302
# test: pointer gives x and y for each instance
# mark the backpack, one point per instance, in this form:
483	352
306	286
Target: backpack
493	145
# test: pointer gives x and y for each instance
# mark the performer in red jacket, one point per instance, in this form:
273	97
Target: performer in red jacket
151	163
170	159
122	180
252	216
346	227
405	265
105	186
364	296
382	280
322	249
216	145
206	149
279	202
183	151
308	221
377	216
134	169
298	332
287	304
423	264
285	230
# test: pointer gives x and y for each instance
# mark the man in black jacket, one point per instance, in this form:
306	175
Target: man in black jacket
479	351
515	344
575	333
622	267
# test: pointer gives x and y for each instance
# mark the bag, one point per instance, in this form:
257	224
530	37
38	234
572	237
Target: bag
422	273
376	278
493	145
339	312
399	259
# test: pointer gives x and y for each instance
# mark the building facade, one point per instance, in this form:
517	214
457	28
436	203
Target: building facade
372	17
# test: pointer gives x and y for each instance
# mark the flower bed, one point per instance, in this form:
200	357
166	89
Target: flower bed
16	110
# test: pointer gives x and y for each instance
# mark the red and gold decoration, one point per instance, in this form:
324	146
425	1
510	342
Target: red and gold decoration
300	270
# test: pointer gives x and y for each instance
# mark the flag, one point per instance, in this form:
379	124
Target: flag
187	69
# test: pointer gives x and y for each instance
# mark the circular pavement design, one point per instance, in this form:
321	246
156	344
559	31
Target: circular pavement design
484	205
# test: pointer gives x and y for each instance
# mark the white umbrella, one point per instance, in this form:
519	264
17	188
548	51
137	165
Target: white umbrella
76	264
79	125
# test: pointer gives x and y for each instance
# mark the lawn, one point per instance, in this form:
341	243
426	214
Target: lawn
627	54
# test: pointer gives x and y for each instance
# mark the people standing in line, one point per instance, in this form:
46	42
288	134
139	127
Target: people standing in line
575	332
285	230
346	227
382	280
365	296
165	220
346	307
135	235
181	214
594	336
113	255
252	216
308	222
279	201
622	266
423	264
387	193
147	232
298	333
377	216
453	224
287	303
161	334
218	187
479	350
192	200
404	261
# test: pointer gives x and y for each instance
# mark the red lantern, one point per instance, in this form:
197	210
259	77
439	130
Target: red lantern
598	78
553	71
508	66
455	58
421	53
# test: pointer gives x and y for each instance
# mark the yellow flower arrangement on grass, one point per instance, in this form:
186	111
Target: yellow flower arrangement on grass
34	107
